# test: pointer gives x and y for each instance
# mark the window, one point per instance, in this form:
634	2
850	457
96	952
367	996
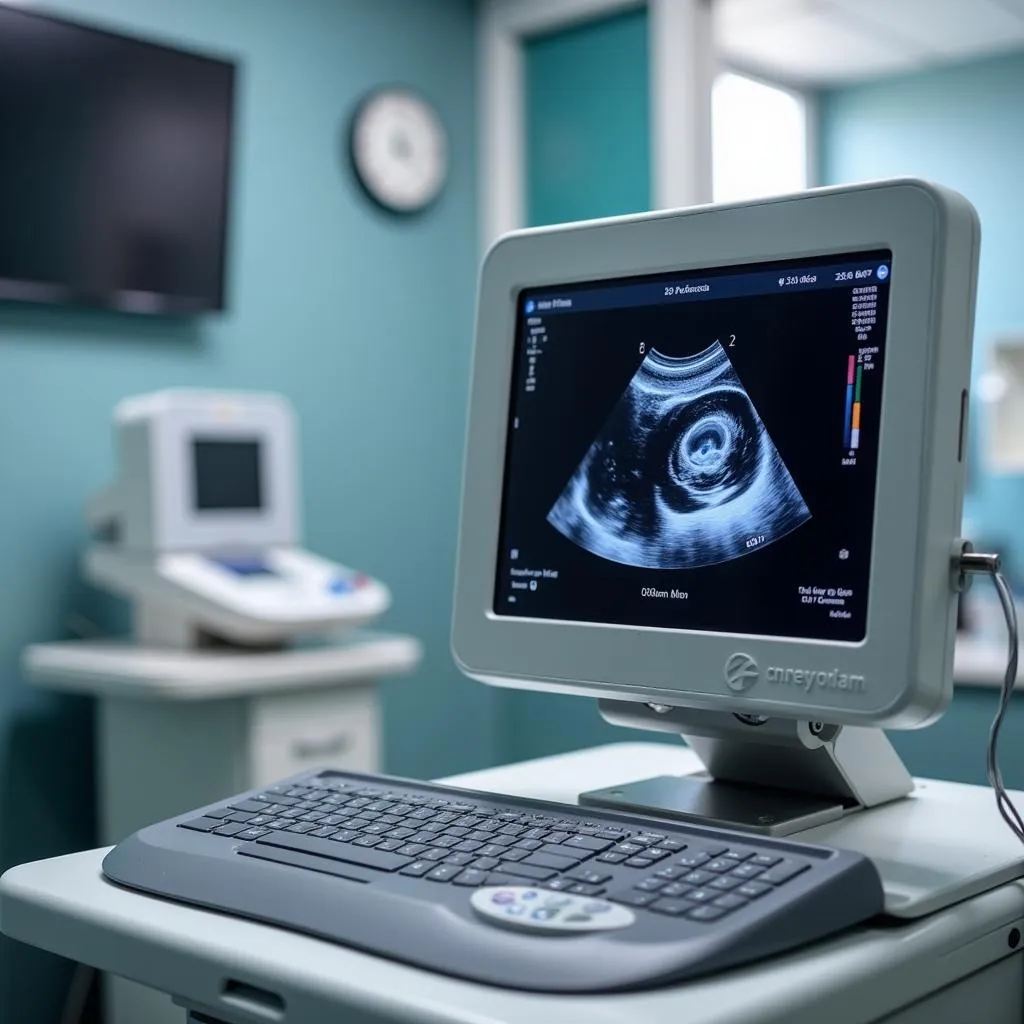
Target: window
758	139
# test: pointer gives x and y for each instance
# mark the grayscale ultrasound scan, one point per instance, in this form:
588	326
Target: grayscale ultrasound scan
682	474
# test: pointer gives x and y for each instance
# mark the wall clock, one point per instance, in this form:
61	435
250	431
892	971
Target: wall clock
399	150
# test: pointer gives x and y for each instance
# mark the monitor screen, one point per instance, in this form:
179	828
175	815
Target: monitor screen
114	170
227	475
698	450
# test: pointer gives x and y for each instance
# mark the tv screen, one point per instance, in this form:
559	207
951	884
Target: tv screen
114	168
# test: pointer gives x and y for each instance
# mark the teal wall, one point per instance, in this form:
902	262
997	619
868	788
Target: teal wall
349	313
588	121
587	155
962	126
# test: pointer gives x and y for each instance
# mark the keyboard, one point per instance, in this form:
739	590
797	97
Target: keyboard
517	893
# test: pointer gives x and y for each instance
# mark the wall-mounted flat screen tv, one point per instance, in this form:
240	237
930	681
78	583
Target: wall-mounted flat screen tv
115	161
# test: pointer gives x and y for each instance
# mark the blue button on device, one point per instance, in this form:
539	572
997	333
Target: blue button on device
340	586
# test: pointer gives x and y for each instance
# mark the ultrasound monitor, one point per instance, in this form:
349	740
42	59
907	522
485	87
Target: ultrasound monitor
714	479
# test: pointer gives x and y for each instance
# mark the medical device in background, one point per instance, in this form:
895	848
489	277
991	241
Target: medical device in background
201	528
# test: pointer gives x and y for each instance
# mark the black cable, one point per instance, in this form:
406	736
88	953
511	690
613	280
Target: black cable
1005	805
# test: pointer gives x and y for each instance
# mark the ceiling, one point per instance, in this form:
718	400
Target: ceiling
824	42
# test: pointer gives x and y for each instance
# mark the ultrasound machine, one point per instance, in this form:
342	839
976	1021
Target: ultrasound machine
713	480
201	527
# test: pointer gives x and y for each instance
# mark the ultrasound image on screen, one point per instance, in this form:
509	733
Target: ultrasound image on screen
682	474
698	450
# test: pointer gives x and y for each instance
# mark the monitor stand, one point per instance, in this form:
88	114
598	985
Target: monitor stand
767	775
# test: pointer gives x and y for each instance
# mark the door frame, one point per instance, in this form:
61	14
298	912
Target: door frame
680	99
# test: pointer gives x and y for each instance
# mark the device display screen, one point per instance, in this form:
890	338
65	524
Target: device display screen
227	475
698	450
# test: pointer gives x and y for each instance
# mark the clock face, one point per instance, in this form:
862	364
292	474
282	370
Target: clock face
399	150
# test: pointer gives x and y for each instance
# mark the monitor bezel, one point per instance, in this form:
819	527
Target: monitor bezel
905	659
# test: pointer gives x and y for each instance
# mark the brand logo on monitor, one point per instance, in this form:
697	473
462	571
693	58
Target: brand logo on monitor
808	679
741	672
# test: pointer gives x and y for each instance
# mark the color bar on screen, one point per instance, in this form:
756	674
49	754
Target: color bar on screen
849	403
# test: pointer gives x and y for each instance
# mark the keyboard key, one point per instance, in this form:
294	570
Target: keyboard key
528	844
675	890
735	853
253	806
491	850
418	868
589	877
332	819
536	833
538	874
324	832
612	835
513	830
386	844
239	817
412	849
751	890
202	824
252	833
720	865
650	885
443	872
702	895
313	816
461	859
559	884
698	877
468	846
715	851
378	829
434	853
648	838
747	871
457	831
588	843
693	859
730	902
672	845
657	853
446	841
344	835
628	849
706	913
480	835
470	876
725	883
766	860
670	873
783	872
486	863
639	862
348	852
220	812
632	897
545	860
368	841
569	852
395	833
558	837
674	908
301	827
612	858
581	889
512	855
